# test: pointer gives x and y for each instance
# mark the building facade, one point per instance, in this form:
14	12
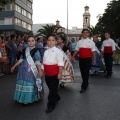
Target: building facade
16	17
59	27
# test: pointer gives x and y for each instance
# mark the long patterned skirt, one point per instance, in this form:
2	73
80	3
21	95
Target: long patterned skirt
26	89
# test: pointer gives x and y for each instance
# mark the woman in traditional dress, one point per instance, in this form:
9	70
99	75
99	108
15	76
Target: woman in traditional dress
29	84
68	73
99	61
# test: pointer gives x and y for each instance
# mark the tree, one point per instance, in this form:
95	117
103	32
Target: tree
110	20
48	29
5	2
94	30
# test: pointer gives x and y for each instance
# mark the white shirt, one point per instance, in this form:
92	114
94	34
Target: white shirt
109	42
53	56
85	43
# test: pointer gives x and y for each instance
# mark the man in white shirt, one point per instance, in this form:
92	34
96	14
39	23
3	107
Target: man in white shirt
108	52
86	49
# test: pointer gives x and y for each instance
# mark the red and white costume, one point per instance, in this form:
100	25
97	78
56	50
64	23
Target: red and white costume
85	48
53	58
108	46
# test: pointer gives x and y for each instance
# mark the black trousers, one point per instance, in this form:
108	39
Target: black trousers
108	62
85	64
52	83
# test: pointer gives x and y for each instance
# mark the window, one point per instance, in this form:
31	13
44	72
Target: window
16	7
29	4
19	9
24	12
86	20
24	24
18	22
29	15
29	27
1	21
8	21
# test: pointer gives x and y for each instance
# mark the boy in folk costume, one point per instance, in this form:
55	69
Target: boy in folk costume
86	49
53	65
108	52
68	73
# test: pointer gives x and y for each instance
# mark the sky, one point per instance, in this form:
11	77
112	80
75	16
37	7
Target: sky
48	11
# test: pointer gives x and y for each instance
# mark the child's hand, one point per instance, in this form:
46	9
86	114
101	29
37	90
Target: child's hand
12	69
72	59
59	76
40	73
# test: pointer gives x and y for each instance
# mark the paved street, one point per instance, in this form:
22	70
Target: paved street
100	102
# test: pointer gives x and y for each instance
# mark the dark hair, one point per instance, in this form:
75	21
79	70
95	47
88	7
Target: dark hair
107	32
62	38
85	30
12	36
38	38
53	35
95	36
2	37
29	37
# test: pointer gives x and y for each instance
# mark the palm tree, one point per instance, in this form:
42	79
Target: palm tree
48	29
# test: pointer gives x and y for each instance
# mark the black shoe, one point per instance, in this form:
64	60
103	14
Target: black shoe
49	109
62	85
82	90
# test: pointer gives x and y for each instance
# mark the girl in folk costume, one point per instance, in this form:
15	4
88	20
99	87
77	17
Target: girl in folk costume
53	65
68	73
99	61
86	49
29	84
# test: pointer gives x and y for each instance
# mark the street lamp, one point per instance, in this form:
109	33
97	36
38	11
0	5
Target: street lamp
67	21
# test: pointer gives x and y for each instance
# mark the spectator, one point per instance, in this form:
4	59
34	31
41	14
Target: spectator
97	42
0	56
19	47
40	46
12	50
73	46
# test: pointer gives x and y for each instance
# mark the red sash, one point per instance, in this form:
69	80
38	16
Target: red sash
51	70
85	52
108	49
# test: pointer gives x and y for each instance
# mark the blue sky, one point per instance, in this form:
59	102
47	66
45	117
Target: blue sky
48	11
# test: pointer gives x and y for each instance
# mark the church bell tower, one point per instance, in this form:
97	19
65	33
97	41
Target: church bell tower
86	18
